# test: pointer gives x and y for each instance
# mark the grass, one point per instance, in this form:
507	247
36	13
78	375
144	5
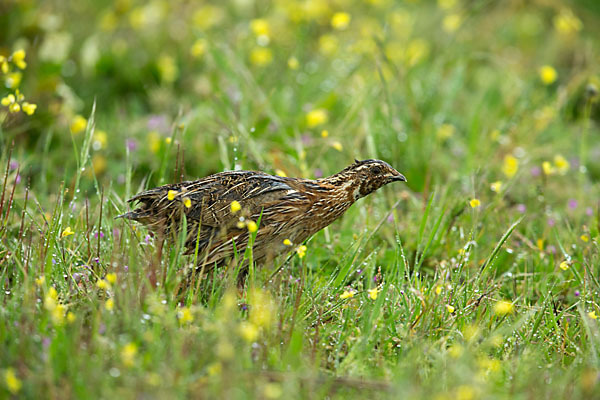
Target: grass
418	291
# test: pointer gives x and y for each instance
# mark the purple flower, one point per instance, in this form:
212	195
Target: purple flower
551	249
102	329
147	239
97	260
375	279
536	171
390	218
116	232
131	144
521	208
126	268
46	342
572	204
577	293
318	173
18	179
14	164
589	211
158	123
551	222
306	139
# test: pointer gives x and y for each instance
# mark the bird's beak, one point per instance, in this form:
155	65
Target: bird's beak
397	178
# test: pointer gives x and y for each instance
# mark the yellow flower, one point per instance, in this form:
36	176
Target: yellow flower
103	284
184	314
510	166
168	140
316	117
235	206
248	331
67	232
3	65
40	281
328	44
128	353
13	384
540	244
287	242
171	195
198	48
496	186
293	63
566	23
445	131
592	315
324	133
14	108
416	51
452	22
109	305
58	314
301	251
348	294
252	227
548	168
241	224
372	293
261	56
337	145
272	390
111	278
503	307
340	20
78	124
18	58
449	308
564	265
71	317
260	27
13	80
585	238
167	68
474	203
262	310
547	74
438	289
446	4
187	202
561	163
8	100
280	172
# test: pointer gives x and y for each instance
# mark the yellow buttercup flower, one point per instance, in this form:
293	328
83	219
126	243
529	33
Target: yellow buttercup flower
109	304
252	227
340	20
561	163
184	315
13	383
564	265
287	242
347	294
373	293
280	172
585	238
474	203
187	202
548	168
128	353
510	166
301	251
171	195
592	315
261	56
198	49
18	58
449	308
567	23
503	307
111	277
324	133
496	186
548	74
260	27
235	206
78	124
29	108
103	284
248	331
446	131
67	232
337	145
316	117
293	63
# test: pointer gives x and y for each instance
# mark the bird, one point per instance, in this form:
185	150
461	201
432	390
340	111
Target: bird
224	210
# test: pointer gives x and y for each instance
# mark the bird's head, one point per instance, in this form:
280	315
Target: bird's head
369	175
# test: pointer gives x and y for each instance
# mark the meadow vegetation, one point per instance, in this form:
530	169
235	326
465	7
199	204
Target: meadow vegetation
479	278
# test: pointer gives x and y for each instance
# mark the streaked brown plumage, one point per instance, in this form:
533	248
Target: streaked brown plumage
287	208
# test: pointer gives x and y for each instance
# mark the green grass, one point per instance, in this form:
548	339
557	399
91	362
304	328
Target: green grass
496	301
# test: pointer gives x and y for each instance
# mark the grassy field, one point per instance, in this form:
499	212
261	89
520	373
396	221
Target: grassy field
478	279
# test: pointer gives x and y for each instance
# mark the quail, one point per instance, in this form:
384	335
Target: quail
223	210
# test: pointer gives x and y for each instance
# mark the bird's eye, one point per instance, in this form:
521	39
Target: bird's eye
376	170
